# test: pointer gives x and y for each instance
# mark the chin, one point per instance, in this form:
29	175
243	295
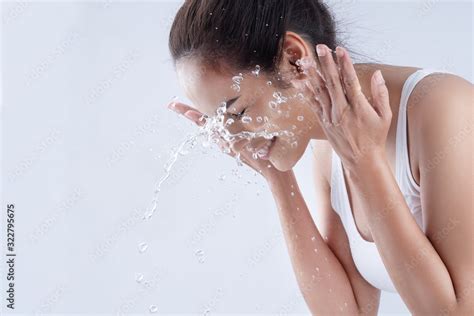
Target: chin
283	167
285	159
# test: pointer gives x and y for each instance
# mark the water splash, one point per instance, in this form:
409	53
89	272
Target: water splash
168	166
214	129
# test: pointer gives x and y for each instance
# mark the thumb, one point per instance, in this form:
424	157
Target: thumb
381	102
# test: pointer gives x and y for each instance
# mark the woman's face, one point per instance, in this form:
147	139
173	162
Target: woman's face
270	109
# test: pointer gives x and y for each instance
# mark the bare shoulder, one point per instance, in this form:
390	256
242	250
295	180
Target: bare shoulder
441	99
439	109
438	86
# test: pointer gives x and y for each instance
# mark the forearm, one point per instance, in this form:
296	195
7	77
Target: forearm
413	264
321	278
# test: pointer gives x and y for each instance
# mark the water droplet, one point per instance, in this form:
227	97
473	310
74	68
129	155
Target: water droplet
256	72
217	28
255	156
292	193
153	309
229	122
300	118
345	303
266	25
313	238
200	254
139	277
246	119
269	166
294	144
236	86
317	269
259	119
315	249
273	105
210	13
142	247
269	83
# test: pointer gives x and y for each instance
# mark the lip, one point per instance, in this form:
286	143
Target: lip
267	156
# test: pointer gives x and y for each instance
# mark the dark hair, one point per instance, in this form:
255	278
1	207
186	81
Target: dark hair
246	33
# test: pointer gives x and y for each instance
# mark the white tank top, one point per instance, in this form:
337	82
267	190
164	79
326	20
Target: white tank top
365	254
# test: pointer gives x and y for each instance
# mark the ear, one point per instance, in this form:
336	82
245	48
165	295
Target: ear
295	48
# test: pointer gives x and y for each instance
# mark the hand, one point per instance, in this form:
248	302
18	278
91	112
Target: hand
264	167
356	129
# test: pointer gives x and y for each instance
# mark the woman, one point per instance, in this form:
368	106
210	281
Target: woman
393	157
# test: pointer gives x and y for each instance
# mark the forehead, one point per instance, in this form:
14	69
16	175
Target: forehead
207	88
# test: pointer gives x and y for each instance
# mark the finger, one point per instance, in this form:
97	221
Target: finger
312	99
332	79
196	117
180	108
380	102
237	146
349	77
320	92
224	146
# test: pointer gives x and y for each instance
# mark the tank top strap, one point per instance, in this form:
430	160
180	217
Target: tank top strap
402	168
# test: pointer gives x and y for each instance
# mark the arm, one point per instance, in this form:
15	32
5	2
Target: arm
321	278
433	273
331	228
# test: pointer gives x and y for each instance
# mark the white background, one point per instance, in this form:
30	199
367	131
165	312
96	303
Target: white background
85	136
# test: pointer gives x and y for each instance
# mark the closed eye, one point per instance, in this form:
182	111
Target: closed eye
240	114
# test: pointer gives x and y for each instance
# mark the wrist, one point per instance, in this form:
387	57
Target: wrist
281	179
367	164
